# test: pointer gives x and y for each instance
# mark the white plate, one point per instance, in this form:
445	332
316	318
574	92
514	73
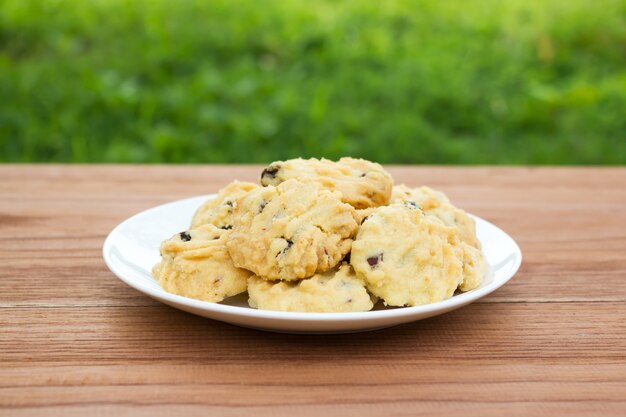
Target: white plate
132	248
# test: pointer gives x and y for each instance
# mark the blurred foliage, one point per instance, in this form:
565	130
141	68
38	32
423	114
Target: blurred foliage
478	81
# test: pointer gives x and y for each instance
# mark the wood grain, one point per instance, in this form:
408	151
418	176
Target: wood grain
76	341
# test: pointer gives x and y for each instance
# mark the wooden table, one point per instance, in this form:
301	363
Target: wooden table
76	341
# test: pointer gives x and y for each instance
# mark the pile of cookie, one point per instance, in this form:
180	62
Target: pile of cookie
324	236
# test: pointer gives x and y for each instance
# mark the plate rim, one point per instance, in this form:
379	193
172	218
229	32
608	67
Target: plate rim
160	294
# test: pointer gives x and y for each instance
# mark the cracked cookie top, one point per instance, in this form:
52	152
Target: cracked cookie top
218	211
291	231
195	264
407	258
337	290
437	204
361	183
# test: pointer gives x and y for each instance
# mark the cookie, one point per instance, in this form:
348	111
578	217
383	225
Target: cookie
437	204
291	231
218	211
337	290
407	258
474	267
361	183
196	264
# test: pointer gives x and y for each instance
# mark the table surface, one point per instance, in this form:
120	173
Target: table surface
76	341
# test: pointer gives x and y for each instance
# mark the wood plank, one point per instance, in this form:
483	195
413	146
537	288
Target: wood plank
258	387
392	409
313	373
302	394
534	332
74	340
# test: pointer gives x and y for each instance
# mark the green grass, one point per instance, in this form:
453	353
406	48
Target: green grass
472	82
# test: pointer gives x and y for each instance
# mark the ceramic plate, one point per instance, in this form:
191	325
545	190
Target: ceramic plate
132	248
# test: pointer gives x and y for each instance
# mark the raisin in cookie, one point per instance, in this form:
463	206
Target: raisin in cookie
196	264
407	258
337	290
291	231
219	210
361	183
437	204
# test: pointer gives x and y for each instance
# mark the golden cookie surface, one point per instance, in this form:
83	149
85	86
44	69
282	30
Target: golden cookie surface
361	183
291	231
436	203
407	258
196	264
337	290
219	210
474	267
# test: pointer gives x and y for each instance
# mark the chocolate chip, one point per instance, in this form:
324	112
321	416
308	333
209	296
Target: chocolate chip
412	204
374	260
185	236
286	248
270	171
363	174
349	300
262	206
226	227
